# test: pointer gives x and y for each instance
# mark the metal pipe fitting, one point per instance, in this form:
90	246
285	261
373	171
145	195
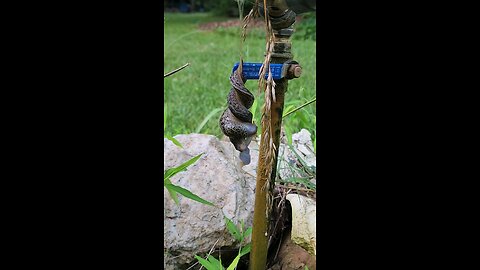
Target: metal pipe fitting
294	71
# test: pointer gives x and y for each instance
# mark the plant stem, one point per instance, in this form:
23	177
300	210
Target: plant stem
176	70
260	230
296	109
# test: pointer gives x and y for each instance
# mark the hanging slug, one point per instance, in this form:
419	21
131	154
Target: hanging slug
236	120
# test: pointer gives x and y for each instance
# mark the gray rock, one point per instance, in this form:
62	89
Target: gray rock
288	163
303	142
219	176
193	228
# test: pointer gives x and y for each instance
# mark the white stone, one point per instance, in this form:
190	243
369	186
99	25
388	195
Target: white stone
304	212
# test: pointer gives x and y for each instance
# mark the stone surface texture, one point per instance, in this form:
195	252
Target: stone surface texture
191	227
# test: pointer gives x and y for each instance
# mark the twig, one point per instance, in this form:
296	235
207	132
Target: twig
279	246
176	70
290	112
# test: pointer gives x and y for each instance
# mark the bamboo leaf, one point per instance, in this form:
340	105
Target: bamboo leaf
215	262
174	141
172	193
188	194
172	171
247	233
233	229
246	249
206	263
234	263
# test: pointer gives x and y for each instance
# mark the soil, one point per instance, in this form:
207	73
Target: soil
293	257
257	23
290	255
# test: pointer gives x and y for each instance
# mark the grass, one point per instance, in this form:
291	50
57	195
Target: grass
196	96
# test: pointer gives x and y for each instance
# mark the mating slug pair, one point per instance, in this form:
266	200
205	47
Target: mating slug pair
236	120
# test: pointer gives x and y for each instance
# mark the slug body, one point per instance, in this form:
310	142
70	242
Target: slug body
236	120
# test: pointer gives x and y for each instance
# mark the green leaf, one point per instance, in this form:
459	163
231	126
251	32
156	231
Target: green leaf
247	232
172	193
254	110
172	171
174	141
306	267
288	110
233	229
206	263
288	133
173	189
301	115
205	120
246	249
300	159
215	262
188	194
234	263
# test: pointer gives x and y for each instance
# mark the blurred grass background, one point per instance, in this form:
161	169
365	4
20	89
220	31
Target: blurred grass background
195	97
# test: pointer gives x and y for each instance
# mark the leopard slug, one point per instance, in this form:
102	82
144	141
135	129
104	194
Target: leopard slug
236	120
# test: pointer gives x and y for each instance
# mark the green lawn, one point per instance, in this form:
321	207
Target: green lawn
201	88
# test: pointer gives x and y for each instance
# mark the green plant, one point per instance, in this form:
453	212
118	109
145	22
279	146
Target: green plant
208	117
173	189
295	116
299	174
226	7
172	139
307	28
211	263
203	86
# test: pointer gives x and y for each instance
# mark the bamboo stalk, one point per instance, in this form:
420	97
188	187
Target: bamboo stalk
258	254
267	160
